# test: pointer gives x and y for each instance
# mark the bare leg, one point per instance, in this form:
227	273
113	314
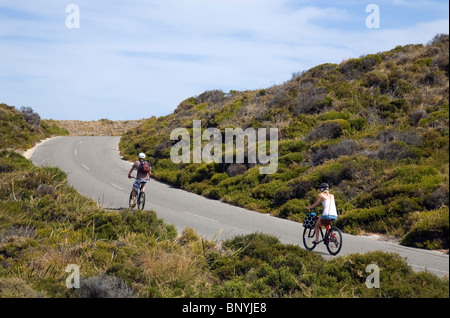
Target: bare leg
134	196
317	230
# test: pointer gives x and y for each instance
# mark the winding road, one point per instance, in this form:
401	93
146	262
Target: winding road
96	169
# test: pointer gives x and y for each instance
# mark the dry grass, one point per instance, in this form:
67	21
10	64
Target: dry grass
176	271
102	127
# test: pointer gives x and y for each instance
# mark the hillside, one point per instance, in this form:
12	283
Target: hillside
21	129
374	127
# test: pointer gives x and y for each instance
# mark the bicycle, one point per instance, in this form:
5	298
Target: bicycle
332	238
140	197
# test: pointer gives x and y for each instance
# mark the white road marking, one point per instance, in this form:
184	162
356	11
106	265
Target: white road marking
428	268
75	152
202	217
116	186
85	167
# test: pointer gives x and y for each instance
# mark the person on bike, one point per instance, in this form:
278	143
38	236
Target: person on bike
142	176
329	213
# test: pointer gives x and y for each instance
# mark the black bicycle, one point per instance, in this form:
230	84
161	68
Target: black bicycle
140	197
332	238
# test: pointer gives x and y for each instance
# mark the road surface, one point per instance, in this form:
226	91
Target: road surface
96	169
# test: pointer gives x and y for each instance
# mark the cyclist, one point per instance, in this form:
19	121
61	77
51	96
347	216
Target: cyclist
329	213
142	176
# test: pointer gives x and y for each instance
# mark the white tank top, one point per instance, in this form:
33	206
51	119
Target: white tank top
329	206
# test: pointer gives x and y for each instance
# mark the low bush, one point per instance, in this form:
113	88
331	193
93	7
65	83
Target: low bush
345	147
14	287
395	151
257	265
293	157
294	209
330	129
362	218
288	146
311	99
104	286
429	230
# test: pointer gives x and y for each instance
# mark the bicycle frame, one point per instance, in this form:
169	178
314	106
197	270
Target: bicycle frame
140	195
327	231
327	226
332	238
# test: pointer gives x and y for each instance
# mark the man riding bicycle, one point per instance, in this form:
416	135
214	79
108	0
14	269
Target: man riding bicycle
329	208
144	172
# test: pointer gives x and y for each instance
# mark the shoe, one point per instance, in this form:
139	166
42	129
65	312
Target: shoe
133	205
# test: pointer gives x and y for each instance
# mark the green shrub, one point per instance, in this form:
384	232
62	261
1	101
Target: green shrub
358	123
10	161
423	62
267	190
351	68
378	79
331	173
256	245
430	231
219	177
357	218
290	146
294	209
257	264
52	129
294	157
166	164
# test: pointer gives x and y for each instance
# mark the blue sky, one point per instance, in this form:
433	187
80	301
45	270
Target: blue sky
135	59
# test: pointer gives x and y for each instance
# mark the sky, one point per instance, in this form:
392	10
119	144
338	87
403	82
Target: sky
121	60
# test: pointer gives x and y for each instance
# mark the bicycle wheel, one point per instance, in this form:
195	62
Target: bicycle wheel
141	201
309	236
334	241
130	202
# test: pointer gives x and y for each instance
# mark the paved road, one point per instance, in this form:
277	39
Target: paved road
95	169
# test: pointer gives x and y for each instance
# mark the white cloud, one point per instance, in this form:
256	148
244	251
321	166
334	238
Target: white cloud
137	59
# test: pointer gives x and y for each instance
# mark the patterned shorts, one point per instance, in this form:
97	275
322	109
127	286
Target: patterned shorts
137	184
